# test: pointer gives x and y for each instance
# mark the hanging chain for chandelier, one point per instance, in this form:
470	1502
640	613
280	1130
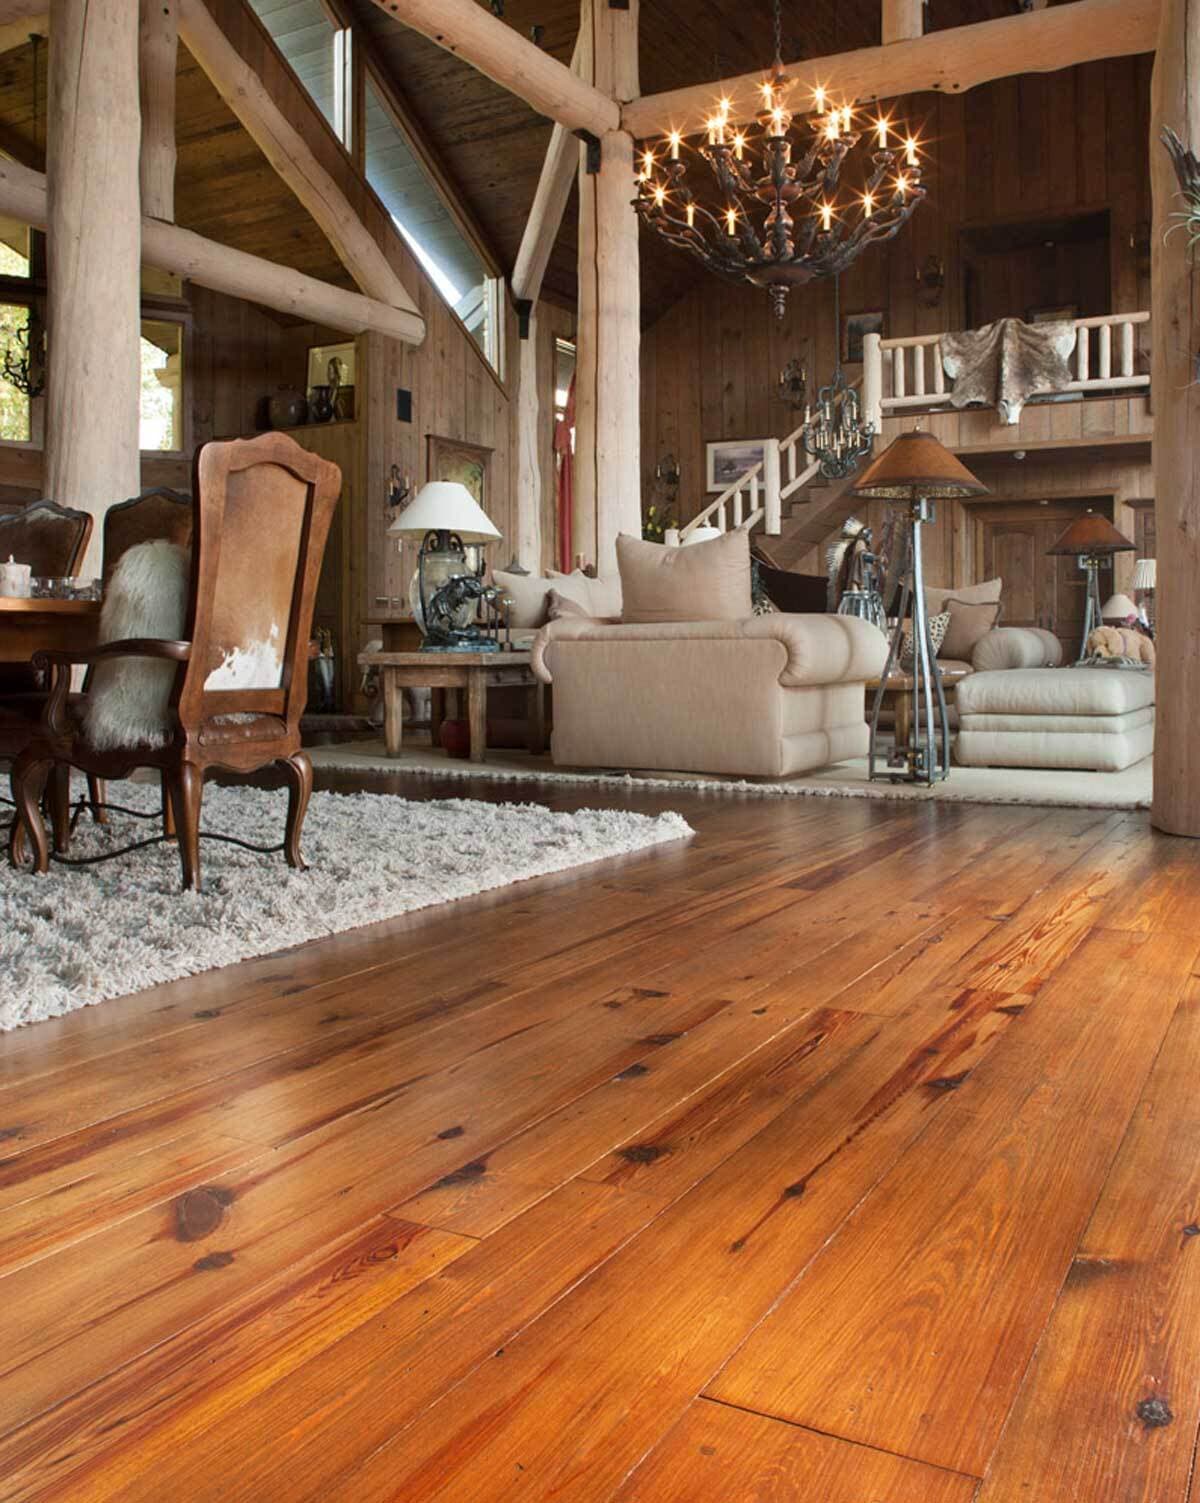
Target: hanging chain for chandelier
24	362
806	231
835	433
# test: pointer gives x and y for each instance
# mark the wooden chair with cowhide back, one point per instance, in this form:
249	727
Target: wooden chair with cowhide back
262	514
52	540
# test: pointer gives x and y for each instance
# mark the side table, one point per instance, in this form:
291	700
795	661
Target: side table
474	672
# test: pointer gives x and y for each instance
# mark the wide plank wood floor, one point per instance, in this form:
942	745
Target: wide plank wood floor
847	1153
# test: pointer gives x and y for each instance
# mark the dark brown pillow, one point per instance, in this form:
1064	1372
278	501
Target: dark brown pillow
797	594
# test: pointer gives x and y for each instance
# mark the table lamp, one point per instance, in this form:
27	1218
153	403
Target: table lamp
1093	540
1145	580
914	471
445	589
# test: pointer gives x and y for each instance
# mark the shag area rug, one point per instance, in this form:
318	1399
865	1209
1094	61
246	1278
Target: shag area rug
85	934
1060	789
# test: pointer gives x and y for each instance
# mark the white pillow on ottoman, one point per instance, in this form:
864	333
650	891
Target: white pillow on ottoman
128	698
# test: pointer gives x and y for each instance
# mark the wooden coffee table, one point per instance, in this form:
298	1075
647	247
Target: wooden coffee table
899	691
474	672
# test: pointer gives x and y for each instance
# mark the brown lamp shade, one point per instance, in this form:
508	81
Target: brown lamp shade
916	465
1092	534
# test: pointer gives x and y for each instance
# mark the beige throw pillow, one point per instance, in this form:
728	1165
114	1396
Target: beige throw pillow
969	624
702	582
600	598
528	593
987	593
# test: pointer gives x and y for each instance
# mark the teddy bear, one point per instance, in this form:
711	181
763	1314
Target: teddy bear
1120	642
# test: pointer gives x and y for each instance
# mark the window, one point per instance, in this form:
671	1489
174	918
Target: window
162	386
317	52
421	216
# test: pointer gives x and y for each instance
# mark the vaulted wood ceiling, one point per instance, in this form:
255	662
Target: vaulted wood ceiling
491	142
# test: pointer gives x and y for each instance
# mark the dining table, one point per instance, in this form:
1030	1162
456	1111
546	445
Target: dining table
28	626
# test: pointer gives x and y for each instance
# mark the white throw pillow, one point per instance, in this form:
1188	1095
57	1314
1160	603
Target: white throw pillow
128	698
600	598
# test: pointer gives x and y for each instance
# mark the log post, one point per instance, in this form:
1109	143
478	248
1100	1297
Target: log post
902	20
94	260
1175	102
157	54
541	231
607	407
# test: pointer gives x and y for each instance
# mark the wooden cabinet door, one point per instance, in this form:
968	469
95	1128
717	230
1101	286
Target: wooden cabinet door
1040	589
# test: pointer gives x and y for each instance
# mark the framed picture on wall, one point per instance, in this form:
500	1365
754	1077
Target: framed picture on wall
855	328
729	458
469	464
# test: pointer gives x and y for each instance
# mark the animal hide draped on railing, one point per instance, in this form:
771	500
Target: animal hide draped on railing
1003	364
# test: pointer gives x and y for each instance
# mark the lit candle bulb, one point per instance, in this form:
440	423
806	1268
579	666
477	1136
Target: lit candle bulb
648	164
674	139
831	127
724	106
777	125
731	221
847	118
768	93
713	124
739	145
826	216
660	195
883	130
691	216
819	99
910	151
901	185
868	205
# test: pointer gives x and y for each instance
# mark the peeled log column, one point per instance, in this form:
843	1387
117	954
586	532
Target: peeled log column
1175	102
607	404
94	266
157	57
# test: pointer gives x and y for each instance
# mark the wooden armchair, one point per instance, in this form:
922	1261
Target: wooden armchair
262	514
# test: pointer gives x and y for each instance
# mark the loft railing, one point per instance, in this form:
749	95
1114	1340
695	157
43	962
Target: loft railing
902	374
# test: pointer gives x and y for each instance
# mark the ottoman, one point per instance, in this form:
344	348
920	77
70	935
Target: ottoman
1094	719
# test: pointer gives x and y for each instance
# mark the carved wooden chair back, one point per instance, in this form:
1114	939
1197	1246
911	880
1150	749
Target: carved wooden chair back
51	539
262	519
158	514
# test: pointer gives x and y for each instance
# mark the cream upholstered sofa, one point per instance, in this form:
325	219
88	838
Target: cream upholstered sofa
765	696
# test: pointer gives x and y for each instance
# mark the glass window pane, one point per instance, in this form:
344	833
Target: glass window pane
14	404
303	32
422	217
162	386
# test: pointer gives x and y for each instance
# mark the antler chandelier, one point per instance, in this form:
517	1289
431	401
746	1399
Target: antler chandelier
776	219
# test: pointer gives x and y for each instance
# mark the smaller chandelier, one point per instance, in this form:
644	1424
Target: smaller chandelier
836	434
776	219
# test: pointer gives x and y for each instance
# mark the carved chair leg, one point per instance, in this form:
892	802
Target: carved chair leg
297	773
58	798
97	795
168	809
29	777
187	792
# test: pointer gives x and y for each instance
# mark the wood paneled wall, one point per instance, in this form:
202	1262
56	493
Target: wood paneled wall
1024	148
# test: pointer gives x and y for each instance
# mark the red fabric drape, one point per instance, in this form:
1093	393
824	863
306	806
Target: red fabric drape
565	464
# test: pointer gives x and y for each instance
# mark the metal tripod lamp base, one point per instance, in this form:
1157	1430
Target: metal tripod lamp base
924	756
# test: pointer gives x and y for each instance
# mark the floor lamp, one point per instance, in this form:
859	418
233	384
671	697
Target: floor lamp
913	472
1093	540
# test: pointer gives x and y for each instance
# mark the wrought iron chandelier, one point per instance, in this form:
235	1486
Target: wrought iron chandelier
793	173
836	434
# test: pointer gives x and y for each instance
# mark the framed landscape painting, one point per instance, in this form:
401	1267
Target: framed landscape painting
730	458
855	329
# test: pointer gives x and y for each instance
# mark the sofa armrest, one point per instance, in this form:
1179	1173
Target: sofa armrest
818	649
1006	647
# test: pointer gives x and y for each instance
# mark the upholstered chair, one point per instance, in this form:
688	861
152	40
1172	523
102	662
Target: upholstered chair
234	700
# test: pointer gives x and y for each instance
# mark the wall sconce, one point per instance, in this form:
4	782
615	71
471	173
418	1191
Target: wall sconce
666	472
793	383
399	488
931	282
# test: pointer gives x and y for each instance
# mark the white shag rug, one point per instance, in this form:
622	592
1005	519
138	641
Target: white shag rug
87	934
1057	789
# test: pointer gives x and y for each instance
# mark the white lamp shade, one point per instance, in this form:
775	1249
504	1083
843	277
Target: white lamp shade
1145	572
1118	608
444	506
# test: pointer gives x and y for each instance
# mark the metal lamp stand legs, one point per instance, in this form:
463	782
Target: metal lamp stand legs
1092	616
925	756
